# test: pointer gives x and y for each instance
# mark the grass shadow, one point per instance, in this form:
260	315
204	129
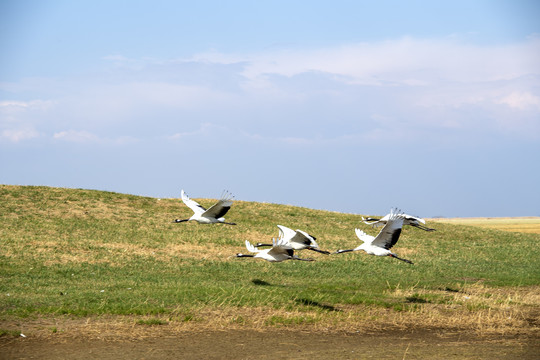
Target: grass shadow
260	282
417	300
449	289
308	302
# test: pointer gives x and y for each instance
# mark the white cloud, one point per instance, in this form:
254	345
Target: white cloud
8	107
291	96
75	136
15	125
83	136
521	101
25	104
204	128
13	105
17	135
426	84
406	61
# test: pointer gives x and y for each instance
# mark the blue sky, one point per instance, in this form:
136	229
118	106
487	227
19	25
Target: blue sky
350	106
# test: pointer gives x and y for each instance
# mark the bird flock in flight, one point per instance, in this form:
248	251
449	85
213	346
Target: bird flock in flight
289	240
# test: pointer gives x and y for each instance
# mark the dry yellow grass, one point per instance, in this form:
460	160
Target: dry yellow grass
530	224
489	311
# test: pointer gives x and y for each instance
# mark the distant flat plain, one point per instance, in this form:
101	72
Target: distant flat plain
527	224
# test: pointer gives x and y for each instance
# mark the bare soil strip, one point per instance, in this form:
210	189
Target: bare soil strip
278	344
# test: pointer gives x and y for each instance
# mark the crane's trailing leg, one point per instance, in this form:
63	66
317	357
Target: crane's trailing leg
396	257
297	258
425	228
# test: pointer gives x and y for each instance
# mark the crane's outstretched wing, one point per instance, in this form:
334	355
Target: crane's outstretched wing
372	221
363	236
251	248
297	236
416	222
193	205
285	233
414	218
219	209
389	234
305	238
382	221
280	246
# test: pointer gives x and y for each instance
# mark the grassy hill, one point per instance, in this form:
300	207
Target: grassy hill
90	254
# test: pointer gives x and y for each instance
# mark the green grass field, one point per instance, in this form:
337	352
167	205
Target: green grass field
90	254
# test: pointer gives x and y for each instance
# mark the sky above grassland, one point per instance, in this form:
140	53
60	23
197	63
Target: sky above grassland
350	106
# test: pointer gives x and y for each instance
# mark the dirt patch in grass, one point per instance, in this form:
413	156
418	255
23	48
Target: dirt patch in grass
162	343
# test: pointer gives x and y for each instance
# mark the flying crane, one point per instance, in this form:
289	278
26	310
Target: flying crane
280	251
297	240
381	244
214	214
407	220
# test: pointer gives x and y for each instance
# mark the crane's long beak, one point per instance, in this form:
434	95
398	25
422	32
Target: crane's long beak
341	251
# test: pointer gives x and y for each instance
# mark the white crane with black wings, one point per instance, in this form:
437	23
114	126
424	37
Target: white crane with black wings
381	244
280	251
407	220
297	239
214	215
